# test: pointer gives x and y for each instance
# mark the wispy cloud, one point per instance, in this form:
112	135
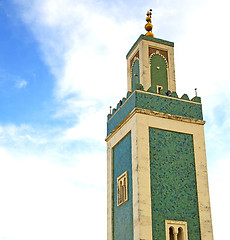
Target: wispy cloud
84	43
220	196
35	193
46	181
21	84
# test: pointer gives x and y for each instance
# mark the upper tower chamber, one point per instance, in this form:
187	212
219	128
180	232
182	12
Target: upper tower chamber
150	62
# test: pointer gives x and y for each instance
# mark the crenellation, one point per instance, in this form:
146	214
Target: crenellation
174	95
185	97
196	99
152	90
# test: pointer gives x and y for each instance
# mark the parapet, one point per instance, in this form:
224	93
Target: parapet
163	102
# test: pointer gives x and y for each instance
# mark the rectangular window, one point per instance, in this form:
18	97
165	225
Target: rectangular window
122	189
176	230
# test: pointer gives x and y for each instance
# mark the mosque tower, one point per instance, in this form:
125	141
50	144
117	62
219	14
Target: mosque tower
157	183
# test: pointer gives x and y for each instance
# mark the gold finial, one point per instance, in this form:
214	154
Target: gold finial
148	25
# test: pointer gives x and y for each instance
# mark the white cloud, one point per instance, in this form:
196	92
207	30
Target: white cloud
21	84
91	125
84	43
220	196
42	199
22	135
205	59
78	39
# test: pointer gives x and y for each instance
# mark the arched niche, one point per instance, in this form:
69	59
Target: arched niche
159	75
171	236
180	235
135	74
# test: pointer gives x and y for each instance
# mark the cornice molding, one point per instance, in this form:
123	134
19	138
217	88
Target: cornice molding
156	114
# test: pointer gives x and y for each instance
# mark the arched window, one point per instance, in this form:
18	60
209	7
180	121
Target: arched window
176	230
171	236
135	74
180	235
121	192
122	189
159	75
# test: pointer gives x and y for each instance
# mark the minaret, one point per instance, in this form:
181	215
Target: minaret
157	181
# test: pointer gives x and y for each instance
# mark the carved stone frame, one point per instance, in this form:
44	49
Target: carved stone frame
175	225
121	179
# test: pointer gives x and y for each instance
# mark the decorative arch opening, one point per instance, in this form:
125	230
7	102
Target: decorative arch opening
171	236
176	230
159	72
135	74
180	234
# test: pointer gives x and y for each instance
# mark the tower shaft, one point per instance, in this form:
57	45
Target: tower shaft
157	173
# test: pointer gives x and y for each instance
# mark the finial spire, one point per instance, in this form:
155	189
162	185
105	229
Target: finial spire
148	25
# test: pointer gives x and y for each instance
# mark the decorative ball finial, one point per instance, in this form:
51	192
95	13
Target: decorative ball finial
148	25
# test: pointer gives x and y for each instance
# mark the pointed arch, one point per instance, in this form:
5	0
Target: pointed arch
180	235
171	236
159	70
135	73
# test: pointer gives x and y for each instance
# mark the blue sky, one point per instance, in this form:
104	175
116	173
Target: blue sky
62	64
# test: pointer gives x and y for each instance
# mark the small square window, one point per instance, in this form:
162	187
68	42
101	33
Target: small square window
122	189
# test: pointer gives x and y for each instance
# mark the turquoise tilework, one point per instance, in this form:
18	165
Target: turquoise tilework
154	102
159	72
168	105
120	115
123	215
173	182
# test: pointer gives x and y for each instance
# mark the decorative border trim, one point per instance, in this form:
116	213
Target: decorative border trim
136	55
151	39
164	52
123	175
158	53
153	113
